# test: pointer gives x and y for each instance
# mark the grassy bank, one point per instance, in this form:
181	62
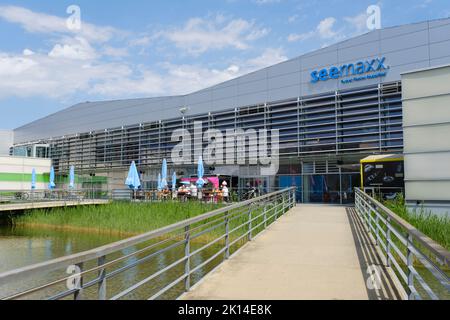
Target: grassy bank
117	218
437	228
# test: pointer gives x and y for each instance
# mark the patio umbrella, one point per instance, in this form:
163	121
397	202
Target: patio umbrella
33	179
200	173
52	184
133	182
72	177
164	183
159	182
174	181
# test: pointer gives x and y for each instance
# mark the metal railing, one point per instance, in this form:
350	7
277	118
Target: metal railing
420	265
224	231
30	196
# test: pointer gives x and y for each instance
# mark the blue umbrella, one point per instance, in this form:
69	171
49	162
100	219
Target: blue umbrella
174	181
33	179
164	175
200	173
72	177
159	182
133	182
52	184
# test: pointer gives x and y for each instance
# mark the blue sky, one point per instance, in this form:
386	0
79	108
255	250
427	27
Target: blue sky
129	49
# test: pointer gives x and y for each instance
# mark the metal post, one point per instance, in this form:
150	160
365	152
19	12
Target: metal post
377	234
227	236
388	242
102	279
187	254
79	293
265	217
410	261
250	225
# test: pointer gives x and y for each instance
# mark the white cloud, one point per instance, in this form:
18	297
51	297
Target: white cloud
53	76
200	35
36	22
325	28
74	48
75	64
359	22
269	57
59	76
293	18
28	52
115	52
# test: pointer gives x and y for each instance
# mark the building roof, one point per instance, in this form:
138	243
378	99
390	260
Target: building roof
383	158
407	47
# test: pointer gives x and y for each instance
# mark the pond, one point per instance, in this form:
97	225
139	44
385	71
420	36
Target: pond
20	246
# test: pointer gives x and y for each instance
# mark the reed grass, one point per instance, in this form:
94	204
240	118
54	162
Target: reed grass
118	217
435	227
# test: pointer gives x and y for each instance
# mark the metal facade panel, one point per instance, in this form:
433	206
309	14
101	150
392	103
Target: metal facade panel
252	87
440	33
225	104
361	52
440	50
287	80
396	71
283	93
409	56
254	76
224	93
372	36
283	68
403	30
320	60
405	41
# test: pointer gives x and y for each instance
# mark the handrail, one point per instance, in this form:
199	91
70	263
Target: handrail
388	230
245	208
441	253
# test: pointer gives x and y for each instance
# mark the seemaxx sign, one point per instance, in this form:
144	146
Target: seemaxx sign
348	73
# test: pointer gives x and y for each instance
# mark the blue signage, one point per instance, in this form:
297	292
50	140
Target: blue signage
349	73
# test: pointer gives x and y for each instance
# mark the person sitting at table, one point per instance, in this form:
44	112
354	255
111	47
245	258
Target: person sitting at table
194	191
225	192
183	192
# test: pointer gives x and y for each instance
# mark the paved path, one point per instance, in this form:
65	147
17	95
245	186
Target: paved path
49	204
314	252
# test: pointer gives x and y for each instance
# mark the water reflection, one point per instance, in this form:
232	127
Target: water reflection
21	247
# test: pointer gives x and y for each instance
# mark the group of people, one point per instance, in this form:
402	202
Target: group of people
215	195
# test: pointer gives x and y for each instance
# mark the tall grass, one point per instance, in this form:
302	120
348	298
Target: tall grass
120	218
435	227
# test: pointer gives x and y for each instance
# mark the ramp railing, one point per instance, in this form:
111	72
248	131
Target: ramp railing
419	263
161	264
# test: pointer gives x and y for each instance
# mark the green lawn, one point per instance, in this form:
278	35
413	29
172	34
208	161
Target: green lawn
121	218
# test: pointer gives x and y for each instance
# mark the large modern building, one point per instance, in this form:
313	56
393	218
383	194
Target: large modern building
332	107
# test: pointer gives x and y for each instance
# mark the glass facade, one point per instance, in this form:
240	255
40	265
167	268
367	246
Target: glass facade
318	134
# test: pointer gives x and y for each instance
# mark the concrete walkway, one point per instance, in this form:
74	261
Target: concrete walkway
314	252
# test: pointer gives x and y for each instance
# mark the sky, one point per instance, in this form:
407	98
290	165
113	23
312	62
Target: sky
134	49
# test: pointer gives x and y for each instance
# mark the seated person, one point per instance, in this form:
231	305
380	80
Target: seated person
193	190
